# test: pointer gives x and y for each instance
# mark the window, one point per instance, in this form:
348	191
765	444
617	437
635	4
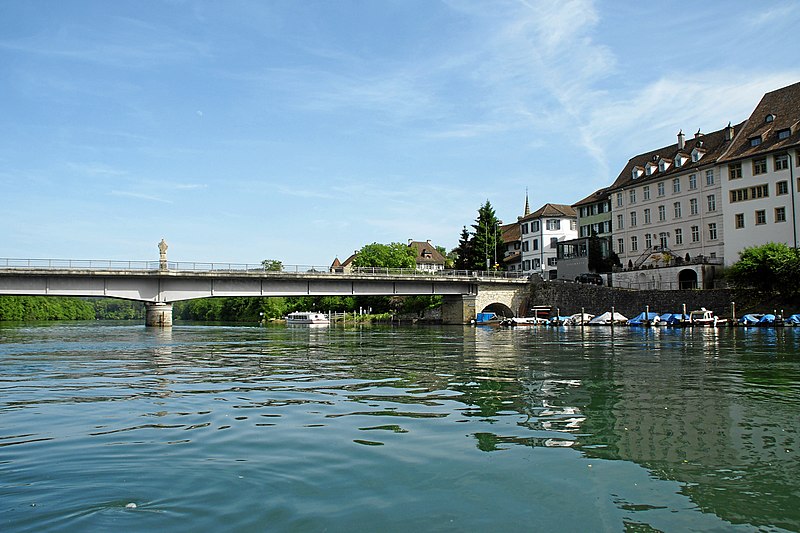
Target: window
662	239
692	182
741	195
648	240
693	206
619	199
781	161
784	134
632	199
535	226
677	206
525	246
695	233
712	203
526	265
734	171
620	246
553	224
646	216
525	228
759	166
573	224
660	188
761	217
619	221
634	243
780	214
646	192
633	219
712	231
710	177
739	218
663	165
755	141
535	244
782	187
553	242
537	264
662	213
552	261
678	236
676	185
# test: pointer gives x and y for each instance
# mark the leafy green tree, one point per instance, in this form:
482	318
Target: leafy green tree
394	255
272	265
772	268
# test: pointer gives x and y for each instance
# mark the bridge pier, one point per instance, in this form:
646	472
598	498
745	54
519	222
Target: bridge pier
458	309
158	315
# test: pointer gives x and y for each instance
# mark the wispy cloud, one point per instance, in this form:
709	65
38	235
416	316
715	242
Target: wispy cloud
141	196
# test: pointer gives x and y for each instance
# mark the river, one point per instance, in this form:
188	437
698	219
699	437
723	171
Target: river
117	427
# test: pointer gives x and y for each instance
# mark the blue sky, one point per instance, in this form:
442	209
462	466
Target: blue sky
302	130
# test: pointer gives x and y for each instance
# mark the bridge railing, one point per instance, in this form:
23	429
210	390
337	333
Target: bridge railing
194	266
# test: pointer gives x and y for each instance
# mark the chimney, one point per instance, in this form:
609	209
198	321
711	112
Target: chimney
410	241
681	140
428	241
698	134
729	132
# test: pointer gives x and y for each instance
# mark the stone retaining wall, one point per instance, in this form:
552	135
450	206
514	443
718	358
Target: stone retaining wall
569	298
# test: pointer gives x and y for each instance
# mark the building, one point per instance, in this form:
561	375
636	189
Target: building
428	259
759	173
540	233
512	245
666	212
594	236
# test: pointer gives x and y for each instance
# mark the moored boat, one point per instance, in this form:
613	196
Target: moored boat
307	318
704	318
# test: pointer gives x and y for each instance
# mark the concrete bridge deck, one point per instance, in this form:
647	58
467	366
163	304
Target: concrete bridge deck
158	284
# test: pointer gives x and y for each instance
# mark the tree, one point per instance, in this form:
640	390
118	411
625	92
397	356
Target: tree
272	265
772	268
487	240
394	255
463	252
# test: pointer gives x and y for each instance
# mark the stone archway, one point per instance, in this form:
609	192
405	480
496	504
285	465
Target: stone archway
499	309
687	279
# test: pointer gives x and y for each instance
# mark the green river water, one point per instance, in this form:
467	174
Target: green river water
117	427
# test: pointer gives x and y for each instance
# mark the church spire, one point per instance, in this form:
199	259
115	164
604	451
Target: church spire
527	206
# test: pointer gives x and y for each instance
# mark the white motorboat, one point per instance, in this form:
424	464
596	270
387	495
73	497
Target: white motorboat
306	318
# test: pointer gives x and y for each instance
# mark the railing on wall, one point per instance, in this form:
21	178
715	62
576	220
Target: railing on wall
193	266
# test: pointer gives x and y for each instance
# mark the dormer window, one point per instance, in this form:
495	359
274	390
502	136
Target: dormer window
784	134
769	118
649	168
697	154
663	165
680	159
755	141
636	172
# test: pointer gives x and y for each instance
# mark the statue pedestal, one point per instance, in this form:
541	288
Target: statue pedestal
159	315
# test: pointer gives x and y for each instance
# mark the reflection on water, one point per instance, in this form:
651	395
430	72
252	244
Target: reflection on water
438	428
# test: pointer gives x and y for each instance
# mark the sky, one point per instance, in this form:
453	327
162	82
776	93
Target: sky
302	130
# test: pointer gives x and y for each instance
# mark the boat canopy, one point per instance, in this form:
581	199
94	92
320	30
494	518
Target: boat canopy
673	318
794	319
606	319
766	320
643	317
750	320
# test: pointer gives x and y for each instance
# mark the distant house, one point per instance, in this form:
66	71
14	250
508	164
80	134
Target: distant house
343	267
428	259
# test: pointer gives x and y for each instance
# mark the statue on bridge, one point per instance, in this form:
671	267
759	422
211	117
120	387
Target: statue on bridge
162	254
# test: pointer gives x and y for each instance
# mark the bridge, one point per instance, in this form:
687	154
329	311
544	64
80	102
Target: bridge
159	284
